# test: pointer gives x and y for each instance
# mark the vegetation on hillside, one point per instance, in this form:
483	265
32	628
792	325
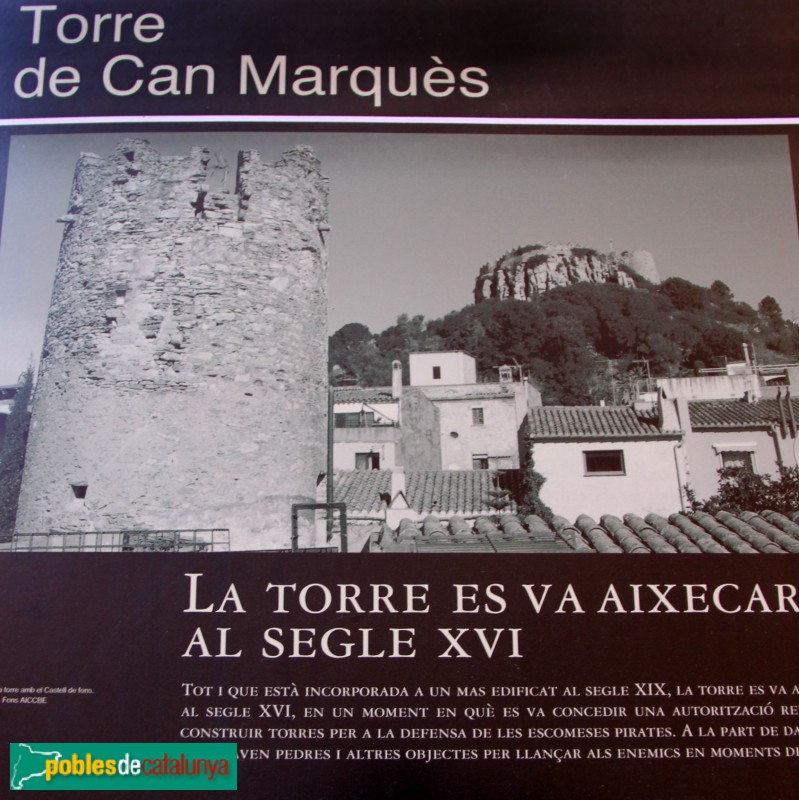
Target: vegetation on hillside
580	343
12	453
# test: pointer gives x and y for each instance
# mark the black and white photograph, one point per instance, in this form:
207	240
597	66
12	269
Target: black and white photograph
536	343
344	345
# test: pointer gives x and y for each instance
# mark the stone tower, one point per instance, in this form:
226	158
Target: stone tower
184	373
642	262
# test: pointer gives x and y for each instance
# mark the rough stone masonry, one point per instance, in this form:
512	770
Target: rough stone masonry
183	379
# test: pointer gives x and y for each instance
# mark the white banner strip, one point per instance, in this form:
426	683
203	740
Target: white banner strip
265	119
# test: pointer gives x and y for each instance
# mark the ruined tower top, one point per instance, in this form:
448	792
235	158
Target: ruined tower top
531	270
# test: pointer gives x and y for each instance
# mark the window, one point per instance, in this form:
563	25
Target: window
738	459
477	416
604	462
480	462
367	461
736	455
79	490
436	373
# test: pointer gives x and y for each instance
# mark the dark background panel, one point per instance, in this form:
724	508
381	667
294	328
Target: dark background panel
117	624
547	58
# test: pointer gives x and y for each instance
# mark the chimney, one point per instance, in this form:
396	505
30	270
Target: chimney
684	414
668	413
747	357
753	384
397	481
783	422
396	380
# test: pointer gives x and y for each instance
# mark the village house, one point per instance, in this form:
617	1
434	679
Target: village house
368	434
445	419
643	458
606	460
733	421
617	478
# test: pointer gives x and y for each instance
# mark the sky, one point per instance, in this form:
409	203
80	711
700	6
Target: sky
414	216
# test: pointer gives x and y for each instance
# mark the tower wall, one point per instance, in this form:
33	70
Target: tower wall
642	262
183	379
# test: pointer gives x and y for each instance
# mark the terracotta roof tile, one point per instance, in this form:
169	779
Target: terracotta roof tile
471	391
366	394
593	422
430	491
723	532
722	414
382	394
361	489
459	491
435	535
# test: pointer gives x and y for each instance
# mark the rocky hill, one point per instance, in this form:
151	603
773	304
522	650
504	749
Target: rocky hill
585	341
526	272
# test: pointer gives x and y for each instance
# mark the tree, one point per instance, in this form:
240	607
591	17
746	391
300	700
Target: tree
460	330
530	501
740	489
12	453
718	342
352	355
684	295
571	365
770	309
721	290
353	333
409	335
564	337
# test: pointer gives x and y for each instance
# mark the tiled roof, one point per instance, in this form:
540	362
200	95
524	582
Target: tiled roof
429	491
361	489
366	394
746	532
382	394
722	414
471	391
593	422
505	533
464	491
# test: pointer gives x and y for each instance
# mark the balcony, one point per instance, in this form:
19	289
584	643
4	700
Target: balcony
378	434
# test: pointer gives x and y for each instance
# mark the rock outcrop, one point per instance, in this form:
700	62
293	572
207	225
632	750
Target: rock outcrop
533	269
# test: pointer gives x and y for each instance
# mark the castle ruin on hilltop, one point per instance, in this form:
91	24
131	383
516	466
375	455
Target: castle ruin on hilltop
528	271
183	379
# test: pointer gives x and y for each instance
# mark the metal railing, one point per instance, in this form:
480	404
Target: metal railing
196	540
